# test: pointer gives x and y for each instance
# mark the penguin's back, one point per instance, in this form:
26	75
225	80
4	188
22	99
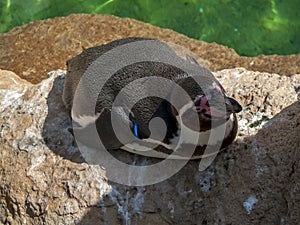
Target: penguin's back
77	66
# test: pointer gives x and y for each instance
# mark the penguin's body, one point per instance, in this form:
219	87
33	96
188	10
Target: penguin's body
141	140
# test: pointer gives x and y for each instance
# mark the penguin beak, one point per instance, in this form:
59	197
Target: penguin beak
202	106
232	106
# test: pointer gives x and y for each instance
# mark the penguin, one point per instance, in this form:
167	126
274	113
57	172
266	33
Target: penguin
214	110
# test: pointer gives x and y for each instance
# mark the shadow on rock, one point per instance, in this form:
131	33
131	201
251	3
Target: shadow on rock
55	129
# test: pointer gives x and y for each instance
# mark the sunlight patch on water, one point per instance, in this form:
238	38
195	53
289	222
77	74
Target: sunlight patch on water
100	7
275	22
8	4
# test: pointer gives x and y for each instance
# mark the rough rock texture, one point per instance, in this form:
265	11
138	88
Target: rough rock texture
37	186
255	181
41	46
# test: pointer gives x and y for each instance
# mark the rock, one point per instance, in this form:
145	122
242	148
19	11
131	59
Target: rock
263	95
44	179
37	185
10	81
49	43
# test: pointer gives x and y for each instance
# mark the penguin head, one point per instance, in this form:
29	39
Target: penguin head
211	104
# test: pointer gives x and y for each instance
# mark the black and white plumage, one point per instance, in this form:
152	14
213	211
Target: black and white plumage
204	103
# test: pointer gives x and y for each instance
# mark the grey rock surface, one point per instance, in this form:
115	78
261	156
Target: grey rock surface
44	179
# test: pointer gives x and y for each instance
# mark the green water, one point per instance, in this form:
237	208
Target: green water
250	27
